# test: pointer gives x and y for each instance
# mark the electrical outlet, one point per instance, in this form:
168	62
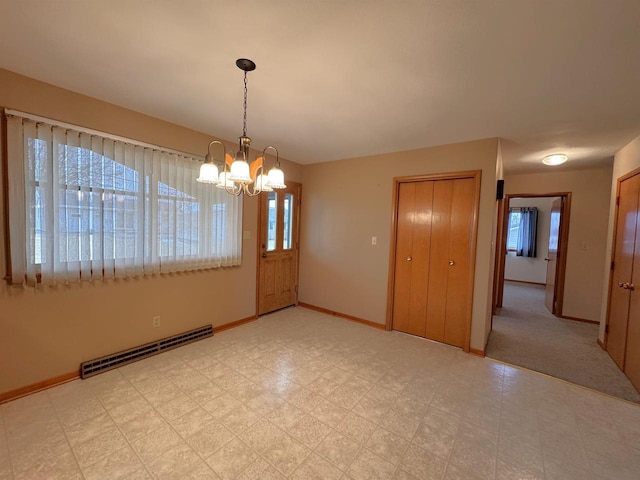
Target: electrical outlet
156	321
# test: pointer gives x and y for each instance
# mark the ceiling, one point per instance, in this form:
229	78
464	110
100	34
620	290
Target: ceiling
346	78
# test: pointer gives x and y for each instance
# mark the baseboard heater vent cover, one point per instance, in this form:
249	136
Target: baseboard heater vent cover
99	365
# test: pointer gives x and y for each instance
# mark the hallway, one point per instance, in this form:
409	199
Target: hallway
527	335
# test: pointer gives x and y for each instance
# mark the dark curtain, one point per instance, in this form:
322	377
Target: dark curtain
527	232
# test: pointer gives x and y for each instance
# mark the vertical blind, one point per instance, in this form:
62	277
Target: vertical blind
84	206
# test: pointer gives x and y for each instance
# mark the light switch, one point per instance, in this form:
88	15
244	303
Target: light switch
374	240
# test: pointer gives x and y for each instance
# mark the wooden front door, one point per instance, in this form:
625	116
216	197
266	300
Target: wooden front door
434	258
623	272
279	247
555	227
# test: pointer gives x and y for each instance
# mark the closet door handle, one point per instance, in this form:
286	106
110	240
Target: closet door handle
621	285
409	259
451	263
631	286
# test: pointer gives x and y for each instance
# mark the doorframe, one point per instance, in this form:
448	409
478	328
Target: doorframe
476	175
259	239
498	253
565	218
620	179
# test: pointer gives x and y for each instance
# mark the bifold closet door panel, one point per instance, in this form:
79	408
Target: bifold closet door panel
458	279
413	245
438	276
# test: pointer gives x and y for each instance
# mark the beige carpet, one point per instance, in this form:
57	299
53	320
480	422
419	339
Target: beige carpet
526	334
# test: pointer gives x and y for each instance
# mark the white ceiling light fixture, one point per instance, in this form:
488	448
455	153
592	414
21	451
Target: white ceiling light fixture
555	159
238	176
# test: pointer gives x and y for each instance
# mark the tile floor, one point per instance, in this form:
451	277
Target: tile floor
303	395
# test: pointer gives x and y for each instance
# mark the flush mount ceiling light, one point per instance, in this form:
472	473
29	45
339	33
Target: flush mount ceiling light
238	176
555	159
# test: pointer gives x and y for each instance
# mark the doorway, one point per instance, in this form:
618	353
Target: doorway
434	229
555	216
530	329
278	248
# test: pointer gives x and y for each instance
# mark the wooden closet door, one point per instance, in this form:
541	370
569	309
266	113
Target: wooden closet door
434	227
448	298
626	226
632	356
439	278
413	248
459	281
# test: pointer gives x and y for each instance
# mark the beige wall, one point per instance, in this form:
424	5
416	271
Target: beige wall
589	217
626	160
46	333
532	269
347	202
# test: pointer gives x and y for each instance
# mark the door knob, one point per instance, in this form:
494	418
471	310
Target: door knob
451	263
625	286
546	259
264	255
409	259
621	285
631	286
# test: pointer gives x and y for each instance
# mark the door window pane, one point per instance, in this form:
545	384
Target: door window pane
288	221
272	216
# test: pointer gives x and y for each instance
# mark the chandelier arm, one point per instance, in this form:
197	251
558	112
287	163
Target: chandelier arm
252	193
276	150
232	190
210	155
255	190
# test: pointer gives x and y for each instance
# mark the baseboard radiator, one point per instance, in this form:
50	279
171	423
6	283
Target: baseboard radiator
109	362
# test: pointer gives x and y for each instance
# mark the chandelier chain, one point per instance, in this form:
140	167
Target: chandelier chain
244	120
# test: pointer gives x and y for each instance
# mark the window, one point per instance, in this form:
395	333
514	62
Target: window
85	206
514	226
522	231
288	221
272	217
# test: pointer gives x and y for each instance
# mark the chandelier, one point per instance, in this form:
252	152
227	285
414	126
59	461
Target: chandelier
237	175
